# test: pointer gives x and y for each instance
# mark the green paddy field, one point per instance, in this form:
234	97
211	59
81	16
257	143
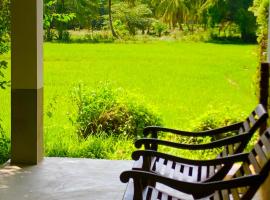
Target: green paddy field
181	80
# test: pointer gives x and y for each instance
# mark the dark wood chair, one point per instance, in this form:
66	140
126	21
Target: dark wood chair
253	170
196	171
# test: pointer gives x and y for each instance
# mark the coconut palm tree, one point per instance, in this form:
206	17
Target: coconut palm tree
110	18
172	11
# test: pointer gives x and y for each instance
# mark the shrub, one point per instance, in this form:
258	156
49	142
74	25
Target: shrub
214	118
66	36
159	28
101	36
111	110
100	146
120	28
4	146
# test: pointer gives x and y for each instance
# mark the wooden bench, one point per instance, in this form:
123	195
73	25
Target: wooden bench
196	171
253	171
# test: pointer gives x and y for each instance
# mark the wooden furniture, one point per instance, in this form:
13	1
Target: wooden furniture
151	160
243	184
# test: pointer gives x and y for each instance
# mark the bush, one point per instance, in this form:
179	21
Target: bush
159	28
101	146
214	118
120	28
4	146
110	110
102	36
66	36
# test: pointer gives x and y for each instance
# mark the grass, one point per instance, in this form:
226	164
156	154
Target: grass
182	80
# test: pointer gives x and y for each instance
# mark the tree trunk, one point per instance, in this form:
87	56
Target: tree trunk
110	18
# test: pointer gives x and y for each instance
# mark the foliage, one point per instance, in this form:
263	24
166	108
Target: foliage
229	12
159	28
112	111
98	37
137	17
4	38
54	16
101	146
213	118
120	28
131	16
88	13
4	146
172	11
260	10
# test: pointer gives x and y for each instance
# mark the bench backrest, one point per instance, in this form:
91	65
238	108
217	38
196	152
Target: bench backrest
258	163
248	128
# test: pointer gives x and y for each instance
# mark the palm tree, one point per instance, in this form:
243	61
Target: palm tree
110	18
172	11
196	9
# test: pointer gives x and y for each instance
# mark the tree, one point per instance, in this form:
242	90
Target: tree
56	16
88	13
110	18
172	11
228	12
137	17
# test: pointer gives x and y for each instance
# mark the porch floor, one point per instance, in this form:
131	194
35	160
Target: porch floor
64	179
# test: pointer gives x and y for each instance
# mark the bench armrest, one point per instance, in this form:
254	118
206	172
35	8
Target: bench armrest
155	129
198	190
151	142
218	161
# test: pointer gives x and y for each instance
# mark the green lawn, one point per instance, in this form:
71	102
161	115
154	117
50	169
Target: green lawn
181	79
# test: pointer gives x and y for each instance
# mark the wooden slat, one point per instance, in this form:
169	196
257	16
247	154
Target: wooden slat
252	120
159	165
162	170
235	194
168	169
138	163
224	152
217	168
186	173
246	169
259	110
241	130
217	196
129	192
153	163
176	174
203	173
211	171
246	126
266	143
254	163
261	156
225	194
195	173
154	195
164	196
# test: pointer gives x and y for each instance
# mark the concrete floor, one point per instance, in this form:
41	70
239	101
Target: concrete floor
64	179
